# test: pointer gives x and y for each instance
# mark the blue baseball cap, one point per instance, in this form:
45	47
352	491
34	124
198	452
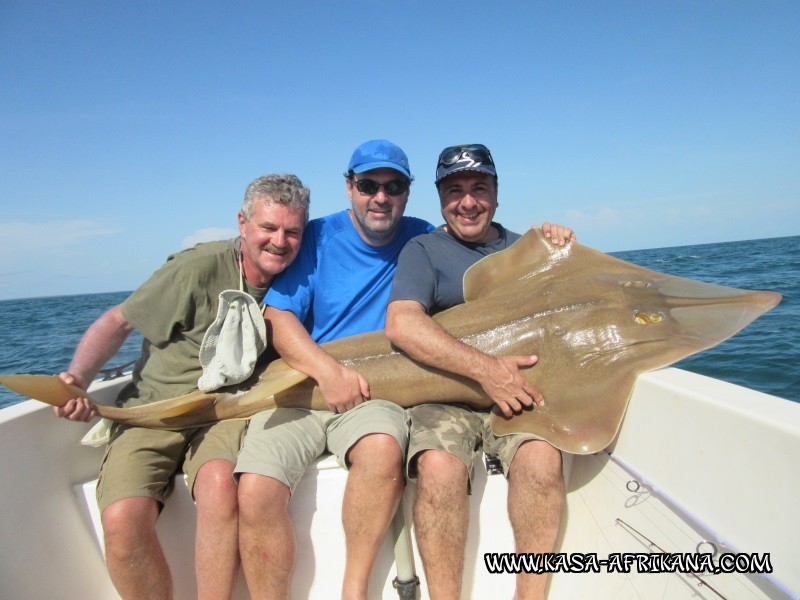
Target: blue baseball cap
377	154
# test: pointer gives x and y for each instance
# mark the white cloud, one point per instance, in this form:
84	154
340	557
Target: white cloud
604	216
52	234
209	234
55	257
677	220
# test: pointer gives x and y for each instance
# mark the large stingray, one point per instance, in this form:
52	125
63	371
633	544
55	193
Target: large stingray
594	321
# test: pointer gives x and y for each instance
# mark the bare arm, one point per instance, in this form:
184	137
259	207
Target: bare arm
342	387
410	328
100	342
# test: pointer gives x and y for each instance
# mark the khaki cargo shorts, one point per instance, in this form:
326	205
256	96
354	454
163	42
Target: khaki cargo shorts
282	442
142	462
460	431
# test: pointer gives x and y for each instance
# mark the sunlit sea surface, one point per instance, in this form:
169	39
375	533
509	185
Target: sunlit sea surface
39	335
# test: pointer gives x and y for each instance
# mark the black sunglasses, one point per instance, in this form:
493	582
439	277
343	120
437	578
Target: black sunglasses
476	152
370	187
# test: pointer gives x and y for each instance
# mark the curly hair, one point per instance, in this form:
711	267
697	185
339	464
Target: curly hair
281	189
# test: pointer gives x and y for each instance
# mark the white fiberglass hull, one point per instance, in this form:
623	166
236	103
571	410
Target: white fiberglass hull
696	459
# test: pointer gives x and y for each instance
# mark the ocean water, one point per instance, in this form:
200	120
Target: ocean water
39	335
765	355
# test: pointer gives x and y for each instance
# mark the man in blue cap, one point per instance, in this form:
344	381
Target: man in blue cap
444	439
338	286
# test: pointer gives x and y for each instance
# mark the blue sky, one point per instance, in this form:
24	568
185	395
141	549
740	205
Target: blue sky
129	130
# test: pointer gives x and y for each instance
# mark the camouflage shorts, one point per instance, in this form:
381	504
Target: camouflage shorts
459	431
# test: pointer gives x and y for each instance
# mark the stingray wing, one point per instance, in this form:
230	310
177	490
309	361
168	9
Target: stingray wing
596	322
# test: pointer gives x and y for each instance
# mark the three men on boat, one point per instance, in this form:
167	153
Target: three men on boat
336	277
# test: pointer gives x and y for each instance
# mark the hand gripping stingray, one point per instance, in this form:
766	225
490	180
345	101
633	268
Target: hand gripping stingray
595	322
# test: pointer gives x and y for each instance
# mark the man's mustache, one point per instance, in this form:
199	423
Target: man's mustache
273	249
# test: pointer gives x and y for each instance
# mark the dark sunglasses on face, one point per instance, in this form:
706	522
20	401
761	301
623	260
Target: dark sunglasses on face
477	152
395	187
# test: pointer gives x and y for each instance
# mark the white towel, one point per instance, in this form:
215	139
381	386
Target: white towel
233	342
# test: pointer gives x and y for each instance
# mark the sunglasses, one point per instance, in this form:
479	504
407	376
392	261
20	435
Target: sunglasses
395	187
475	152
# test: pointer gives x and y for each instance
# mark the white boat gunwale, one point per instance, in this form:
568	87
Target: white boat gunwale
688	439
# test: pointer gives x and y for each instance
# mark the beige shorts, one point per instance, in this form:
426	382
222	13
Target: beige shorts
282	442
461	432
143	462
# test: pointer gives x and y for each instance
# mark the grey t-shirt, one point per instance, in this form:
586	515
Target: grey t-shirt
431	267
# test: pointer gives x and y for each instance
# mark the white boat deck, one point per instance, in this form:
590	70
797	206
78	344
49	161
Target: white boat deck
703	460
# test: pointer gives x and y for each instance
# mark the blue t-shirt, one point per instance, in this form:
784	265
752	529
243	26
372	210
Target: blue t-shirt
339	285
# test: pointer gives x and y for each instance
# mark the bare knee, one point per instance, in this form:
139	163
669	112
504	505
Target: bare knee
215	491
261	499
436	468
128	524
538	462
378	452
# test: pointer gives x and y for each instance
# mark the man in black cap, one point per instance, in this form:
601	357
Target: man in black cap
445	438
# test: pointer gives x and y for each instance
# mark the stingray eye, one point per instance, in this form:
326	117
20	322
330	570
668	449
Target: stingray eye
644	318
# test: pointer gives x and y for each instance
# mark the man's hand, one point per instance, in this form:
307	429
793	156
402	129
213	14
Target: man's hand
344	389
76	409
504	384
558	234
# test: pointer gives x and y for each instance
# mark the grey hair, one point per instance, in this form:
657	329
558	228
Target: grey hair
280	189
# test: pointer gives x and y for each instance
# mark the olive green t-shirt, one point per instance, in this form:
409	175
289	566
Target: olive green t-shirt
172	310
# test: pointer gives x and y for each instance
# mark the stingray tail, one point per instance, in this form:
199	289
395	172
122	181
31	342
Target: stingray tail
45	388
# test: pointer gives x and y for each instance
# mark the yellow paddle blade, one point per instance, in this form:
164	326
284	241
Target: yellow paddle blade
45	388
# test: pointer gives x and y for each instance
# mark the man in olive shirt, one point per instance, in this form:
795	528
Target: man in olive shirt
173	310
